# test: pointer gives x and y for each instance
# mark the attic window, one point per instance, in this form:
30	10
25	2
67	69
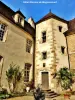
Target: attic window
60	28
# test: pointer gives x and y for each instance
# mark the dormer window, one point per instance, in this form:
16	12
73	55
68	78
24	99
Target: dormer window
19	19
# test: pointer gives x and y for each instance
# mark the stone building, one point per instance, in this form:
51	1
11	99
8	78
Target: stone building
70	39
51	49
40	49
16	44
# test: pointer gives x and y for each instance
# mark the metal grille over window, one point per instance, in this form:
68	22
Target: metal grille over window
2	31
26	72
28	45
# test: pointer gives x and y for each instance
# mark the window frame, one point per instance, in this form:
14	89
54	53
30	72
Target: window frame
27	72
4	31
28	45
43	36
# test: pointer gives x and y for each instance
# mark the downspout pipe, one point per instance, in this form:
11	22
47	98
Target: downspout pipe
68	52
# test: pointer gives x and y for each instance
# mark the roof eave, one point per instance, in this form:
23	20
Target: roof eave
54	18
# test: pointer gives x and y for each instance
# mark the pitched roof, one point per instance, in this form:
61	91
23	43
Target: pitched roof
51	15
20	13
71	24
71	27
9	13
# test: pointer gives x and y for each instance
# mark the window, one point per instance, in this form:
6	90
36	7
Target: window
62	49
1	67
44	55
2	31
0	58
19	19
26	72
28	45
44	37
60	28
44	64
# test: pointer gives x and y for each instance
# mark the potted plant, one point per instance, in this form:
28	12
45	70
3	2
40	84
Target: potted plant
65	78
28	87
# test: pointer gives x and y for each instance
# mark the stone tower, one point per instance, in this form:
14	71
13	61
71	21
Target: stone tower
51	49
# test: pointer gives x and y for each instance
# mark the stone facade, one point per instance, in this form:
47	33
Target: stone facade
54	40
70	39
14	50
59	47
71	49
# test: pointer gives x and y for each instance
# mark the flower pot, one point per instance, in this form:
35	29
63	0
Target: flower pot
27	89
66	96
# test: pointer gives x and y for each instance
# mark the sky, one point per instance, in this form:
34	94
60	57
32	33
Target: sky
62	8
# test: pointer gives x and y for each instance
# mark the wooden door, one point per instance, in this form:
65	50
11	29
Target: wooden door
45	81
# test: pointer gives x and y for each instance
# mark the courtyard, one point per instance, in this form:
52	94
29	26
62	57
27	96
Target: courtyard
32	98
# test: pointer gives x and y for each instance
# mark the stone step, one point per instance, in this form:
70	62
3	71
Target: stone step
50	94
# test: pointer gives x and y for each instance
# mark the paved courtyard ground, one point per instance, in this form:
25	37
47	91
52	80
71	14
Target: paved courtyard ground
32	98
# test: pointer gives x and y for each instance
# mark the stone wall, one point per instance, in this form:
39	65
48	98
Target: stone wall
71	49
14	50
54	40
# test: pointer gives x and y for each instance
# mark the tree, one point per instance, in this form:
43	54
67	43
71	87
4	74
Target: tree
13	76
65	78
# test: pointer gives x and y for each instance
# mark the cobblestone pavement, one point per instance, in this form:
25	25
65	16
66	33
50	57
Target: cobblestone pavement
32	98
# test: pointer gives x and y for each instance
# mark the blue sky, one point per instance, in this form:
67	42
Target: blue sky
63	8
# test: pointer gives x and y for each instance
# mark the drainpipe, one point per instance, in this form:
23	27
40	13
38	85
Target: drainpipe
68	52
